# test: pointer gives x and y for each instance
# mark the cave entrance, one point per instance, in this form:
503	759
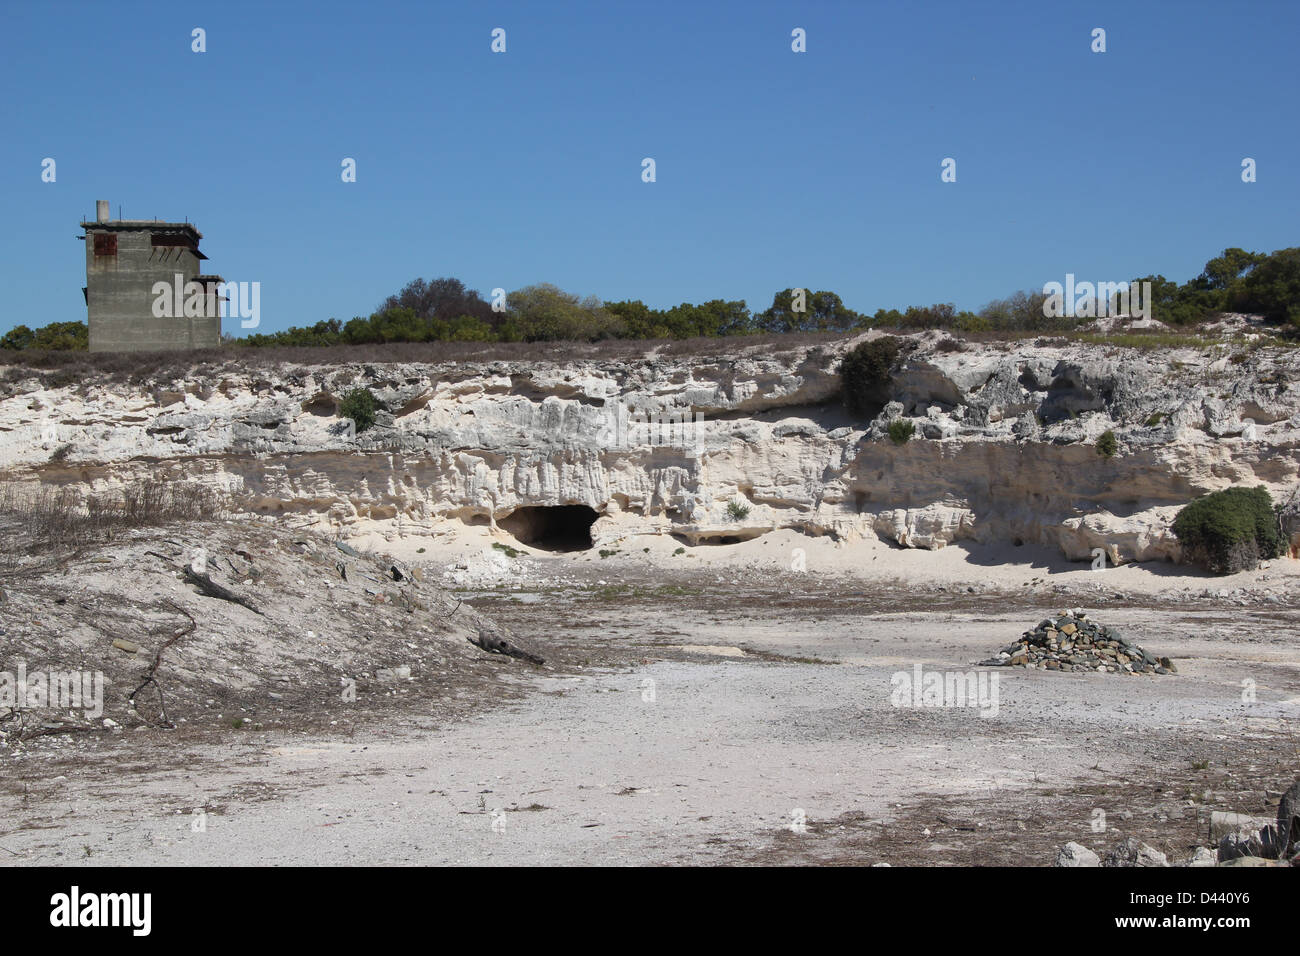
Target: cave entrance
552	528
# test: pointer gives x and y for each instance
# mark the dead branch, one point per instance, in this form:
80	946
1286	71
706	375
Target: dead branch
213	589
494	644
150	676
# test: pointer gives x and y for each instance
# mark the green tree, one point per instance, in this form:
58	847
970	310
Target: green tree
469	328
17	338
1022	311
1222	271
641	321
546	313
55	337
62	337
359	331
1271	288
444	299
821	312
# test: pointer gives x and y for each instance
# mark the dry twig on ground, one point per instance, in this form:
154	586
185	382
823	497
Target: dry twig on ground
152	674
213	589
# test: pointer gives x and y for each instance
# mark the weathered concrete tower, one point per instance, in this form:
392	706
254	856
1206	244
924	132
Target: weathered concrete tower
128	261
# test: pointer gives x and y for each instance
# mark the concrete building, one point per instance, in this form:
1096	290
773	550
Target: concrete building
128	264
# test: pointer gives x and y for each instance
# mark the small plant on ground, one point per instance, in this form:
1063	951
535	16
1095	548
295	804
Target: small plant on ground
901	431
1107	444
1155	419
679	551
509	551
738	510
360	406
1229	531
607	554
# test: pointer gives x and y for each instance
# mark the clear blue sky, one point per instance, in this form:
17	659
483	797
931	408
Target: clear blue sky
775	169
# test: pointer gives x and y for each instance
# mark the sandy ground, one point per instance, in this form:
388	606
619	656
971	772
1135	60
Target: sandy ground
654	557
715	706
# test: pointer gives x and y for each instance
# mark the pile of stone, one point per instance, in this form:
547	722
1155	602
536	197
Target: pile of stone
1074	642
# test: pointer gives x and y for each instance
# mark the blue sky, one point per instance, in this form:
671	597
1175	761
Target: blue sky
774	169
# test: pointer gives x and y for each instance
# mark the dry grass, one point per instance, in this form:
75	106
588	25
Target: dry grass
59	519
68	368
62	369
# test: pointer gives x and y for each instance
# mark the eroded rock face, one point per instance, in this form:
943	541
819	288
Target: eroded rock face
1289	517
1004	446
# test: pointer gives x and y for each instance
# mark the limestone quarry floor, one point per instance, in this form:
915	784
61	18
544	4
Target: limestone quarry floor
680	720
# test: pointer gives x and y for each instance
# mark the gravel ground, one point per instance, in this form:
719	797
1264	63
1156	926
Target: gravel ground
719	723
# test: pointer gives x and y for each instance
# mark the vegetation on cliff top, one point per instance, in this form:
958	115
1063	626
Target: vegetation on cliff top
444	310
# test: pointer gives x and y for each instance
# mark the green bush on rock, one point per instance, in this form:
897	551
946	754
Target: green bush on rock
359	405
901	431
1229	531
866	374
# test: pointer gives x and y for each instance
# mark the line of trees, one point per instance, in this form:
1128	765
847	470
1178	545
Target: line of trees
444	310
55	337
1237	281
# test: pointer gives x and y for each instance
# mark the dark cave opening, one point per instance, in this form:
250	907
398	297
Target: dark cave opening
552	528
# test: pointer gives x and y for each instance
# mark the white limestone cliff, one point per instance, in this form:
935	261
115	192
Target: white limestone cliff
1004	448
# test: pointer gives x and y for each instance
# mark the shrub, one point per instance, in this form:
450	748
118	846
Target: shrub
359	405
1107	444
1155	419
901	431
55	337
866	374
738	510
1271	288
545	313
1229	531
58	517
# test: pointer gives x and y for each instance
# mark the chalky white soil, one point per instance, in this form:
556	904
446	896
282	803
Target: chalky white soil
696	707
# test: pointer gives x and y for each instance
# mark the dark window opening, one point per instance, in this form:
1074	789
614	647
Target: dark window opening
557	528
105	243
172	240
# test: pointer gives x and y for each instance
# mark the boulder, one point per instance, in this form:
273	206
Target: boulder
1133	852
1075	854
